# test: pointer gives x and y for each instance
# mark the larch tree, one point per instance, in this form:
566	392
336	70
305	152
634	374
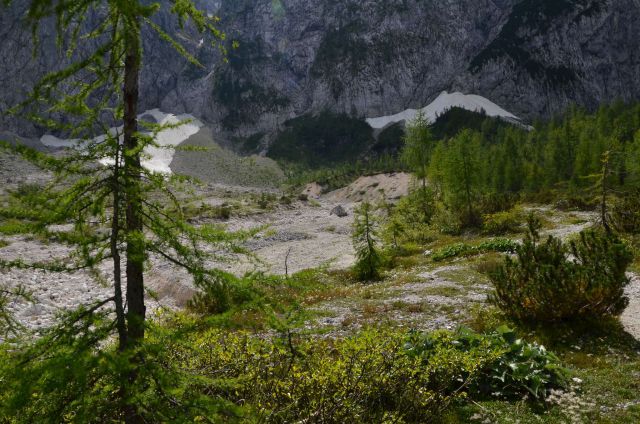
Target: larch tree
365	239
121	212
416	154
461	174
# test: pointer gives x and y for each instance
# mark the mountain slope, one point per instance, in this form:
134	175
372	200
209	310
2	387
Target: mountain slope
369	58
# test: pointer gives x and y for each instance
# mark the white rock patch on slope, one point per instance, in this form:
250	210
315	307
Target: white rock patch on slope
156	158
441	104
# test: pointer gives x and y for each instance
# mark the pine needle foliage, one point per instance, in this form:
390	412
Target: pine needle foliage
418	144
552	281
457	170
124	217
8	324
416	155
366	240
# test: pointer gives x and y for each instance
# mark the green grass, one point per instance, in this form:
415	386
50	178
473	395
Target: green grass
601	355
445	291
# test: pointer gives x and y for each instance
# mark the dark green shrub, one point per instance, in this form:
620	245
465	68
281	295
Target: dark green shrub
551	281
446	222
408	221
264	201
500	223
222	292
223	211
463	249
497	202
579	202
285	200
518	368
626	213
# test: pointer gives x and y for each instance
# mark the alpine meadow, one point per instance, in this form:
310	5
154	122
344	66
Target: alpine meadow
310	211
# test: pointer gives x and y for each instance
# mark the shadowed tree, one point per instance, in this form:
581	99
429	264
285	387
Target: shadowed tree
121	212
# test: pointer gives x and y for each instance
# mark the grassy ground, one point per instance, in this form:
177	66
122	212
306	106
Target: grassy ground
604	362
422	294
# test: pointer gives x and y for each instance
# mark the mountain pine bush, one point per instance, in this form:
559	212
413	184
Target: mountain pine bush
552	281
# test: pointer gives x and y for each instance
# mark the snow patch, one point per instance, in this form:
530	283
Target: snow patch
441	104
55	142
160	157
155	158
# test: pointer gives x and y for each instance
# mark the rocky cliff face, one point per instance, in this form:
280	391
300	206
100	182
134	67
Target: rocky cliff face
551	53
373	57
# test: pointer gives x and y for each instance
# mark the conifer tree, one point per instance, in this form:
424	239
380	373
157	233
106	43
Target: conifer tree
461	175
416	152
137	207
365	241
8	324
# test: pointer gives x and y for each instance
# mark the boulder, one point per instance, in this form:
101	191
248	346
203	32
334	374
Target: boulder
339	211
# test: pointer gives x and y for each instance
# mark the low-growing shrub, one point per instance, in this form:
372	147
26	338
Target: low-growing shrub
501	223
12	227
204	211
285	200
626	213
552	281
497	202
265	201
446	222
488	265
464	249
375	376
408	221
216	375
518	368
576	202
220	294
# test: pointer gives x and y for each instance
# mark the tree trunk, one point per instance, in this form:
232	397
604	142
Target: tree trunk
467	186
604	188
135	249
133	177
115	253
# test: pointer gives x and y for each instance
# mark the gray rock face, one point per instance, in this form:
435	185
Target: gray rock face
369	58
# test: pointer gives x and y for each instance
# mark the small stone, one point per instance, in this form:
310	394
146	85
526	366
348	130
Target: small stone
339	211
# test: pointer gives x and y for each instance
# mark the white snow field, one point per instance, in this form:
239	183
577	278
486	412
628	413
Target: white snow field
159	158
53	141
156	158
441	104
